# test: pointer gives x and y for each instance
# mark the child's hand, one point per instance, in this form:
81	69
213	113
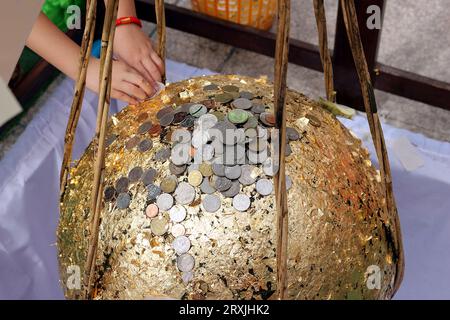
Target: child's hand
134	47
126	83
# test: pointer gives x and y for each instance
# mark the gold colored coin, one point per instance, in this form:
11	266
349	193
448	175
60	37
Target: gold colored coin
195	178
205	169
169	184
159	226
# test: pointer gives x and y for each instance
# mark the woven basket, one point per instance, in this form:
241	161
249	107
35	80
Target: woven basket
255	13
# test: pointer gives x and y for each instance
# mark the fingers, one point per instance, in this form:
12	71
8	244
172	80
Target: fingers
146	74
141	82
132	90
116	94
151	68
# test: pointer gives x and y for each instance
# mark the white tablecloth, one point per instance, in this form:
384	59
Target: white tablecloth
29	176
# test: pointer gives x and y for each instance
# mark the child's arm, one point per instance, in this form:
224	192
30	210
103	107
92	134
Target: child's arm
59	50
134	47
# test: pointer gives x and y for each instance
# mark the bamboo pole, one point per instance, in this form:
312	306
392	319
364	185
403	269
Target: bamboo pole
281	64
354	37
99	140
85	53
325	56
161	30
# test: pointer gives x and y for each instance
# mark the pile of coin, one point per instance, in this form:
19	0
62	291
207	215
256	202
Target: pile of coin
215	148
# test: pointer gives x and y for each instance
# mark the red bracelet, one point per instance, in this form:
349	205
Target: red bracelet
128	20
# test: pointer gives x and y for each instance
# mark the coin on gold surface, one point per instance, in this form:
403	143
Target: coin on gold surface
178	230
195	178
152	210
159	225
177	213
185	262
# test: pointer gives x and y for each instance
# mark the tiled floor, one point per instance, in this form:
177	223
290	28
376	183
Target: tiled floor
415	37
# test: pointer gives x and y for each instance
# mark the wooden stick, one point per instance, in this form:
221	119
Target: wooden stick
325	56
281	64
99	140
161	30
75	110
351	24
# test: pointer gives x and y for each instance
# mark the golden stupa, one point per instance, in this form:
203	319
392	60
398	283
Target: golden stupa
338	234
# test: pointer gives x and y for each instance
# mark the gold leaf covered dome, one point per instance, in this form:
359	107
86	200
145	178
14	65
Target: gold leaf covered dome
171	228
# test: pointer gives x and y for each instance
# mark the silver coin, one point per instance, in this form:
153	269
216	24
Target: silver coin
222	183
187	276
233	172
185	262
181	136
264	187
149	176
292	134
153	191
258	108
233	190
109	193
164	201
218	169
177	170
166	120
207	121
185	193
178	230
181	244
287	150
197	110
144	128
249	174
145	145
123	201
164	111
242	103
241	202
288	182
207	187
135	174
269	168
246	95
162	155
211	203
177	213
181	154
